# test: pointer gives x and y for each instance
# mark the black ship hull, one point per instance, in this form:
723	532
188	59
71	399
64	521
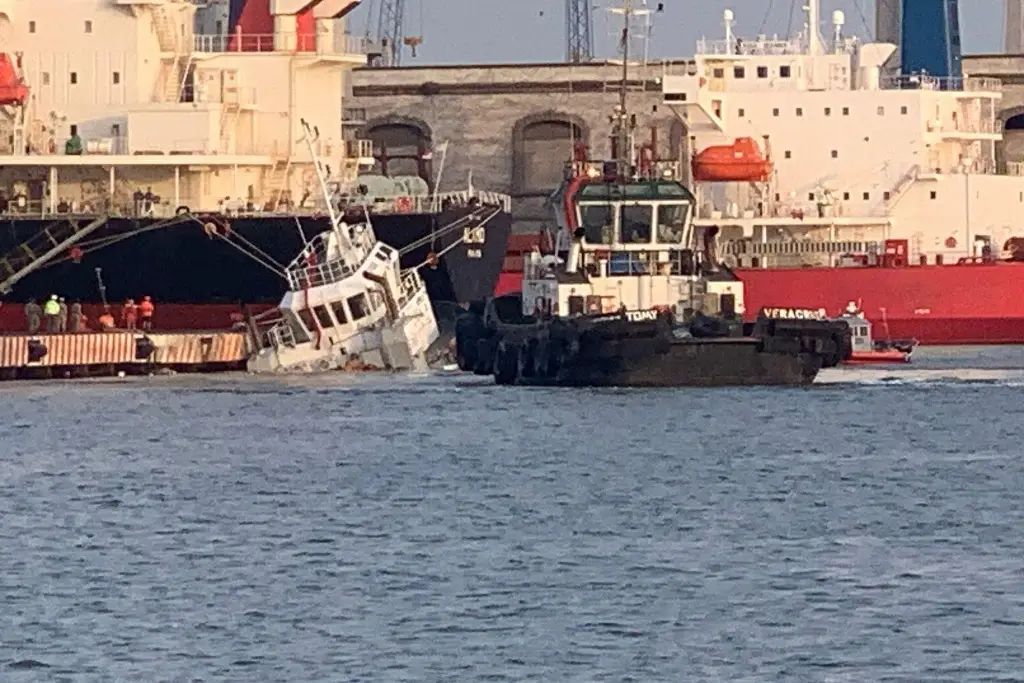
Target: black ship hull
197	277
614	351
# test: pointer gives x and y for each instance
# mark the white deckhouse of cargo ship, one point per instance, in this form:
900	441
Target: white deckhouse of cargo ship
105	99
805	150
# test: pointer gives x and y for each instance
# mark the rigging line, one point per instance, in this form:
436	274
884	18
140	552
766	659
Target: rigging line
272	266
789	22
90	246
864	20
455	243
427	239
255	249
767	14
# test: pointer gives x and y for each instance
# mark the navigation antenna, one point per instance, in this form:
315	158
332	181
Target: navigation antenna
624	123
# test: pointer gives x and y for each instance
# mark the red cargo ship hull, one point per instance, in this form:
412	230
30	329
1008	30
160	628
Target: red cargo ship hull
954	304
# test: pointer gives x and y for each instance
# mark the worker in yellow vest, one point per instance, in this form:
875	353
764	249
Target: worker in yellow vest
52	312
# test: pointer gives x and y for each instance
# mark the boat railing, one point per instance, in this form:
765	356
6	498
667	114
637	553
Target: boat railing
1015	168
944	83
426	203
739	46
166	206
411	285
281	336
753	248
318	274
296	43
168	147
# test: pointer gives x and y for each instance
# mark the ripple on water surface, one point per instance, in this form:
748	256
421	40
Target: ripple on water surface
438	528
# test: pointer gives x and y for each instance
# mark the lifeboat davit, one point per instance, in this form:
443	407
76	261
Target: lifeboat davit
741	161
12	89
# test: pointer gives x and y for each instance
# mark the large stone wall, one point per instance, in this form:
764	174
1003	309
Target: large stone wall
511	126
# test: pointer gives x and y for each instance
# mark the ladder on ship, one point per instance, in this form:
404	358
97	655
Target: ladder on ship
41	248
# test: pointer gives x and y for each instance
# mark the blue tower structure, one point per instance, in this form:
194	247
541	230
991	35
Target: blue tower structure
930	37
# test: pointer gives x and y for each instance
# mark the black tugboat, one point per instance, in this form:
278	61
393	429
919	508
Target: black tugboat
639	298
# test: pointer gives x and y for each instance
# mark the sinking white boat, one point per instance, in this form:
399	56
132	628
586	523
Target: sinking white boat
349	305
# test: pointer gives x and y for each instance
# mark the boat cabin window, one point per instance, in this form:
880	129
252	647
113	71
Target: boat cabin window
863	331
299	332
359	306
338	309
635	223
306	316
672	223
597	222
323	316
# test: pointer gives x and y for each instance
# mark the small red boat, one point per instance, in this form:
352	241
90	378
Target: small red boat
866	350
741	161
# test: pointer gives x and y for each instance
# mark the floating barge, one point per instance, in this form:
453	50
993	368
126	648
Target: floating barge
108	354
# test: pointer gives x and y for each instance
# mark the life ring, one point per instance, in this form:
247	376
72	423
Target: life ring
950	243
324	365
403	204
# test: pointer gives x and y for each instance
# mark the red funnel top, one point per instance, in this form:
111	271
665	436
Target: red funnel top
12	89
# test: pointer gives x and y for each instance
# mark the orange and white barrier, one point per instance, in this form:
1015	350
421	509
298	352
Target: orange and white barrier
118	348
199	349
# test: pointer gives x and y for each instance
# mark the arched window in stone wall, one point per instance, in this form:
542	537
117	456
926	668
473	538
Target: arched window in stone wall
402	146
541	145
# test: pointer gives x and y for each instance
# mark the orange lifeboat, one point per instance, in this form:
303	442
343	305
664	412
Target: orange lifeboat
739	162
12	88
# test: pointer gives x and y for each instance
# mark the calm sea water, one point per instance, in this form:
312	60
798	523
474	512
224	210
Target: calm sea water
440	529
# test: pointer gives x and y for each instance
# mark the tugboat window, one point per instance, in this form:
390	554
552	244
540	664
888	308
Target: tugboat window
298	331
339	312
635	223
597	223
323	316
357	304
672	222
307	319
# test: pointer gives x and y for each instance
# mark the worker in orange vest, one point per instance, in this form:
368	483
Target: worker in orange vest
130	313
106	320
146	312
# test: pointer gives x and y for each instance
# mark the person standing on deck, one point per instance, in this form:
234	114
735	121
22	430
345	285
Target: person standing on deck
52	312
146	313
130	314
62	315
33	316
106	320
76	317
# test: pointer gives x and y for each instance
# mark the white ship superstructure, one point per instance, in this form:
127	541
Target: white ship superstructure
856	157
153	96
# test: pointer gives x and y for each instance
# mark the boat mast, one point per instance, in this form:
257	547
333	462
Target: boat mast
623	148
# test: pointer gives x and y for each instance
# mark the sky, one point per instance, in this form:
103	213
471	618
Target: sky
482	31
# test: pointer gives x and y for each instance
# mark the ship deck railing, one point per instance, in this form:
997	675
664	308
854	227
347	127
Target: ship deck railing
124	208
748	247
945	83
287	42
